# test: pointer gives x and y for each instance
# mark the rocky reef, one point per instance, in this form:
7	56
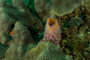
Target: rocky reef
58	7
9	14
21	39
44	30
45	51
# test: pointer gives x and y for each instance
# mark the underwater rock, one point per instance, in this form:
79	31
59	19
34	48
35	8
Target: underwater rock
45	51
21	38
45	8
87	1
10	13
5	21
52	31
22	11
88	57
2	50
68	57
22	34
85	54
87	12
18	4
4	38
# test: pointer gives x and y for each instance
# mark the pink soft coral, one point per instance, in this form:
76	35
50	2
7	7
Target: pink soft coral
52	31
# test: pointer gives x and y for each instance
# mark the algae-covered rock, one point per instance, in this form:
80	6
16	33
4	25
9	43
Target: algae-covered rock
12	11
87	1
21	33
4	38
68	57
45	51
2	50
58	7
18	3
21	38
5	21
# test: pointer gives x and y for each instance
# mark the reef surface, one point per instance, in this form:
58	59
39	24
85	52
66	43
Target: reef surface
44	29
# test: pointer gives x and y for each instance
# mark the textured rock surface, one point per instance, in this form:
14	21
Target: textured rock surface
59	7
21	33
87	1
75	27
2	50
11	13
45	51
68	57
4	38
21	38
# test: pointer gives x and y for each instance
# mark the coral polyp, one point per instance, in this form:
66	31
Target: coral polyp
52	31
